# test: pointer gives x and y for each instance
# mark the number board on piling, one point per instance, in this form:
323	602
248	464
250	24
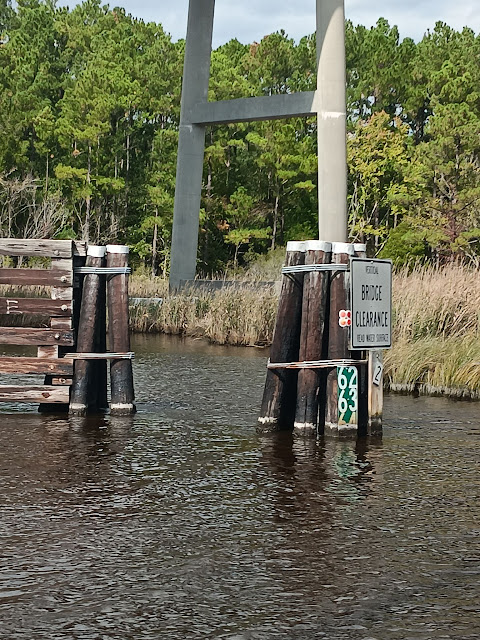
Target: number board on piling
347	378
371	303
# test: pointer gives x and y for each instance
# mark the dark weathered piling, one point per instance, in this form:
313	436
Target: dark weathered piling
121	375
375	392
99	367
338	338
320	379
311	382
84	395
279	396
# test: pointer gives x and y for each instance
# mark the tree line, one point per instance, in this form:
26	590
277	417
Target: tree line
89	112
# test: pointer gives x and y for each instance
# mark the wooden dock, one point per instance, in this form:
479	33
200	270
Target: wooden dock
61	278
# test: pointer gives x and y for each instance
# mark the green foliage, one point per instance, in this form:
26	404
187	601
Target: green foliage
89	112
404	245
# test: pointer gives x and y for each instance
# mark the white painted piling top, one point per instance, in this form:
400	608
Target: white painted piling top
343	247
96	251
309	245
117	248
296	246
359	247
318	245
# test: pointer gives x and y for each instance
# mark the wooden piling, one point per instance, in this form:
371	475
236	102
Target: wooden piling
338	339
99	367
375	392
311	382
121	375
348	400
83	395
279	397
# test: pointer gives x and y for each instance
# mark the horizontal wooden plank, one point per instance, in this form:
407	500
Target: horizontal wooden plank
64	324
62	293
57	366
44	394
44	351
40	248
62	264
26	335
38	306
43	277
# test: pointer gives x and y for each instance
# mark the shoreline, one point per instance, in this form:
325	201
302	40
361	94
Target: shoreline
436	338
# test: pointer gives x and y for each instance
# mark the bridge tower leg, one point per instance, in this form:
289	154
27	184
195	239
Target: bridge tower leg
191	142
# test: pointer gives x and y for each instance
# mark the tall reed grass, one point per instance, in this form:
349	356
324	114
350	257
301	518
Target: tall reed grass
436	336
236	315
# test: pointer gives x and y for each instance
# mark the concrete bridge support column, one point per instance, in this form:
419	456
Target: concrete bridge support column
331	121
191	141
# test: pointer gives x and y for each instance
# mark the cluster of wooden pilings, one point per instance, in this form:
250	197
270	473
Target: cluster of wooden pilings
72	339
310	349
105	286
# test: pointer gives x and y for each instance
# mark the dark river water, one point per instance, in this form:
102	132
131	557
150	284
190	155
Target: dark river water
182	522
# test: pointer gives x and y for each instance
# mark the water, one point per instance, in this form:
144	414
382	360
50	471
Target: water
183	523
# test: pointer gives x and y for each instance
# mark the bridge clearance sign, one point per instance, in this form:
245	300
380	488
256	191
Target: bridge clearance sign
371	303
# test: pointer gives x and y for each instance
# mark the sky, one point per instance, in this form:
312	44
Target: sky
250	20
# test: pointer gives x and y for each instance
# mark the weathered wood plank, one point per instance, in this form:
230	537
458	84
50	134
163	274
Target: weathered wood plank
62	264
39	306
62	293
64	324
46	394
39	248
48	351
26	335
58	366
42	277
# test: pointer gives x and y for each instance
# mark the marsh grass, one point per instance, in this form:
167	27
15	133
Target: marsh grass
436	302
233	315
436	331
143	286
435	366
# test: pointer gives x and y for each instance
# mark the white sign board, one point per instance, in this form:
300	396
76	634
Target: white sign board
371	303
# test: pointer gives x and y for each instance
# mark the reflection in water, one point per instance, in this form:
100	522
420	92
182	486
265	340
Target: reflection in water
182	522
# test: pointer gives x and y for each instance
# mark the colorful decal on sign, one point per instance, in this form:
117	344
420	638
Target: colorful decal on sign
344	317
347	378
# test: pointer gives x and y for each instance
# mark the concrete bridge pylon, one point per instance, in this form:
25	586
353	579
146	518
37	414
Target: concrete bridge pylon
328	103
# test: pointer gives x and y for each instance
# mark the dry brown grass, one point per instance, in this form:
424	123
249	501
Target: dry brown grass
142	286
436	344
233	315
435	366
436	302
